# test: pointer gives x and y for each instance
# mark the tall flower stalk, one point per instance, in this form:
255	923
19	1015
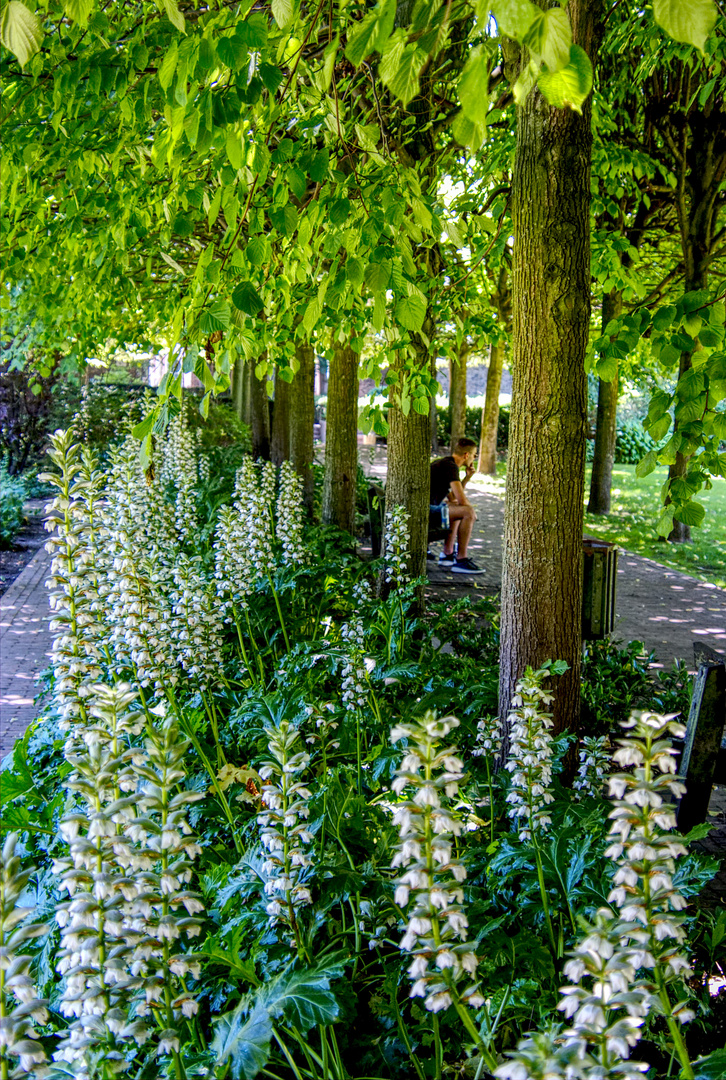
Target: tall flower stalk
19	1005
530	765
79	634
431	885
607	997
283	828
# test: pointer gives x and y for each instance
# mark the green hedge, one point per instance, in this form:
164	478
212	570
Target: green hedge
13	494
473	425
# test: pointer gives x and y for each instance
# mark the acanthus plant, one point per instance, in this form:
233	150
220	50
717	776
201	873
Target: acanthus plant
630	962
430	889
126	875
284	832
21	1053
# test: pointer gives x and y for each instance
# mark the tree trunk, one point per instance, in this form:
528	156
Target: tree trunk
601	479
280	443
259	414
542	565
434	414
490	412
341	446
302	419
408	481
457	393
239	389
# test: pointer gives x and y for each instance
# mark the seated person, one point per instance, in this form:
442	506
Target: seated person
447	493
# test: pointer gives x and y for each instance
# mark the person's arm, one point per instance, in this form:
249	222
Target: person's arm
468	473
457	491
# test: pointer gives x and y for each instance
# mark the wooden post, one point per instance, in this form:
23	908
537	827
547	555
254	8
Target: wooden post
704	733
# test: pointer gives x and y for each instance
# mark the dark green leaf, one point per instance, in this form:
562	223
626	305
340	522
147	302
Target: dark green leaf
303	996
711	1067
246	298
372	32
244	1043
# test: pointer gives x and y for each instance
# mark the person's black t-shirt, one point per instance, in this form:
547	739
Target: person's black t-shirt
443	472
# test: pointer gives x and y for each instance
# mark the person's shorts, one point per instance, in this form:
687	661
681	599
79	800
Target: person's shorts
439	515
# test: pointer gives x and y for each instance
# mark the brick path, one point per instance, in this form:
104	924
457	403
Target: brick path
25	643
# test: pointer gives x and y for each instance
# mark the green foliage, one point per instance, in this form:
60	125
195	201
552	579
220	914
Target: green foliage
632	442
13	493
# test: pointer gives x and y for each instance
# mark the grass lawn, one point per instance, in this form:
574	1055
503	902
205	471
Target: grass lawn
635	510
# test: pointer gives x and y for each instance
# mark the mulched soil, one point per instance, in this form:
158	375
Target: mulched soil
31	537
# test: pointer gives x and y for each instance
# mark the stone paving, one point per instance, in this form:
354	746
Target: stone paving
25	643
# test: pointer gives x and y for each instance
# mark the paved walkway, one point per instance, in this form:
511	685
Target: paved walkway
25	643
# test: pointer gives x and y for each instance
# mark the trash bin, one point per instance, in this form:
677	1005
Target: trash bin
599	583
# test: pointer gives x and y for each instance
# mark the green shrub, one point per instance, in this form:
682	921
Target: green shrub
13	494
472	428
632	443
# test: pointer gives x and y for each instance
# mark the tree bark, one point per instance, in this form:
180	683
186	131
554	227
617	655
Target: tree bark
490	412
542	565
239	389
341	447
302	419
259	414
280	442
457	393
601	479
434	413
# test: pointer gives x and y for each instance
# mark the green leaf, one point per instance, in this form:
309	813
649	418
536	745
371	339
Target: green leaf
665	522
216	317
302	995
168	66
549	38
246	298
173	14
664	317
372	32
660	428
354	270
140	431
514	17
78	10
709	338
377	275
606	368
569	86
20	31
467	132
524	84
258	252
246	1045
691	513
690	21
647	464
405	83
283	12
474	86
411	312
711	1067
338	210
172	263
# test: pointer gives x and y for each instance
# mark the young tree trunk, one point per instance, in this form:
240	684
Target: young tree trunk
259	414
601	479
302	419
434	414
280	443
457	393
239	389
408	480
490	411
341	446
542	566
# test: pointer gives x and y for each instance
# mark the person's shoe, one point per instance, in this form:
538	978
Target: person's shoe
447	560
465	566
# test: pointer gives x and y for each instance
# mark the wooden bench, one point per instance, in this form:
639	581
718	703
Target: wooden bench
703	761
376	503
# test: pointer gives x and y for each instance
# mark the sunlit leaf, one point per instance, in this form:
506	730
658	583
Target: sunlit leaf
372	32
690	21
244	1043
474	87
514	17
569	86
20	31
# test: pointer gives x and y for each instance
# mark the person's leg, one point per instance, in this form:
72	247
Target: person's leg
462	519
450	541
